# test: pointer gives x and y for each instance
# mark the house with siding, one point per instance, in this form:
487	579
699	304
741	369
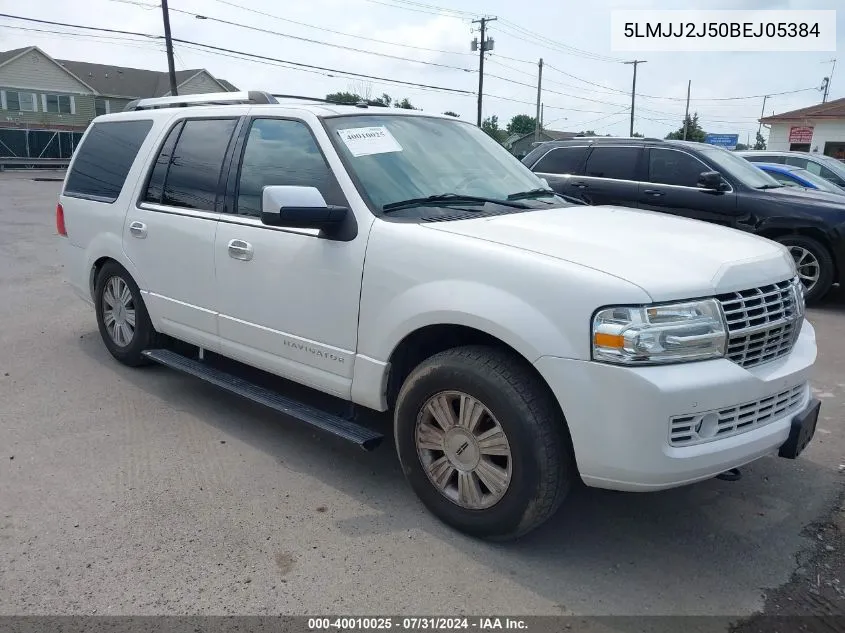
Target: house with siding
46	104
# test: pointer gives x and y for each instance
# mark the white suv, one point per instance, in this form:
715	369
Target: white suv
406	262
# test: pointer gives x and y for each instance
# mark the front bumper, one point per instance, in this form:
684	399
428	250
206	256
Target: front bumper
619	417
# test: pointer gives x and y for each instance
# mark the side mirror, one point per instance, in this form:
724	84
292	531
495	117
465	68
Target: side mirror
711	180
299	207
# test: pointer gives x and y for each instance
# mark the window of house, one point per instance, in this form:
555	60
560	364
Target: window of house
58	103
101	106
280	152
193	176
21	101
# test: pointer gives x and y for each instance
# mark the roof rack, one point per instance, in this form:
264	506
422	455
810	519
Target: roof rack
210	98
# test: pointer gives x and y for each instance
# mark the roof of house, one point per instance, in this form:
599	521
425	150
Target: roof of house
7	55
119	81
831	110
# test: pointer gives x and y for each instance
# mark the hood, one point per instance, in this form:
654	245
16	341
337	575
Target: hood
668	257
813	197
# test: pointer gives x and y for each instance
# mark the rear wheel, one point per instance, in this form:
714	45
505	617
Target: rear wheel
122	317
814	263
482	443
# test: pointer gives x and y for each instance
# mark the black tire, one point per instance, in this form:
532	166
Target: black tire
143	337
541	454
826	266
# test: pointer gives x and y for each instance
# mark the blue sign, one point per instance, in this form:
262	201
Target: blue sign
727	141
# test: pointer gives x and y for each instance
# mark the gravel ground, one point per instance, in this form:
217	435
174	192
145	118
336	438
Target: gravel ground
146	492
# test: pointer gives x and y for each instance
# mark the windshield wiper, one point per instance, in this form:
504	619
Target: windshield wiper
532	193
448	198
770	187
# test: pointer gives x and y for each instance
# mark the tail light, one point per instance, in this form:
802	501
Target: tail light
60	220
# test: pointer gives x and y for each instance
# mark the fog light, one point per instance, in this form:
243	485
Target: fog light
707	425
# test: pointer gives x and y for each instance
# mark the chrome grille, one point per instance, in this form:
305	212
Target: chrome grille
685	430
763	323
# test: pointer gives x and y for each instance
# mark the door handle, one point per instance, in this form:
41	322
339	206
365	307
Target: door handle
138	229
653	192
239	249
579	185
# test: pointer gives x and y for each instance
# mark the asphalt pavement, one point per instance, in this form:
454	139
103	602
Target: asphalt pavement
142	491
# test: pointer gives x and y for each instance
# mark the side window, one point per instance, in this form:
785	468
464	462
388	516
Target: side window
619	163
832	177
563	160
282	152
155	186
801	162
104	159
670	167
194	173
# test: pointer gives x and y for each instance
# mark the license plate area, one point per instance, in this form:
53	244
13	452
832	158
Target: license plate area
802	431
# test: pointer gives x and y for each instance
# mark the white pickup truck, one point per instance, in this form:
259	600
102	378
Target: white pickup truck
406	262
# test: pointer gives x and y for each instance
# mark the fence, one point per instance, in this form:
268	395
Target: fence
37	144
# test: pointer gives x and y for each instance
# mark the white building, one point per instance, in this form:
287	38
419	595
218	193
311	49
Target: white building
817	129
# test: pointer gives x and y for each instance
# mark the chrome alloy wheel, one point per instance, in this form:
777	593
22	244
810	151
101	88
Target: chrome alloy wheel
119	311
808	266
464	450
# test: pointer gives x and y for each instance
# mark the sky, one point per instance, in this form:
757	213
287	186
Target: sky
586	85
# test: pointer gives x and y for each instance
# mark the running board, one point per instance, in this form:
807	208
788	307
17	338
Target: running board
336	425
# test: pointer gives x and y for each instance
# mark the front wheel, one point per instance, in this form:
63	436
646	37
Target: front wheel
814	263
482	442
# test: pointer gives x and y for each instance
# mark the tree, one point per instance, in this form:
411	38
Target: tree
404	104
741	146
638	135
450	113
760	142
521	124
344	98
694	130
490	125
587	133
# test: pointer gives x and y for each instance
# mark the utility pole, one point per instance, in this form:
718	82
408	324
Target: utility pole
635	62
762	113
483	45
169	44
539	89
828	79
686	114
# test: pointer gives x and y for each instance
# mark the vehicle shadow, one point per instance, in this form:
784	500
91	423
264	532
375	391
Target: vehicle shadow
708	548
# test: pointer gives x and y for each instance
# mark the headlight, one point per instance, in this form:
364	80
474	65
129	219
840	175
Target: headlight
647	335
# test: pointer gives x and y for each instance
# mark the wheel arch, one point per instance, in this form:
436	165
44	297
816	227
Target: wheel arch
816	233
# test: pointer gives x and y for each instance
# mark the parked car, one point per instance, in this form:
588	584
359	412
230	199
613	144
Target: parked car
791	176
827	167
707	183
405	262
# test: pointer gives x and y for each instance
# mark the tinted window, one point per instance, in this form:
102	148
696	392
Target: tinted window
282	152
563	160
670	167
155	186
763	158
799	162
832	177
619	163
104	159
194	173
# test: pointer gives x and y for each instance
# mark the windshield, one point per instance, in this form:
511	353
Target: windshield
398	158
743	170
834	165
819	182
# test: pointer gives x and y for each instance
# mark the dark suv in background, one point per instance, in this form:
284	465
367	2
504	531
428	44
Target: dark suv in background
702	182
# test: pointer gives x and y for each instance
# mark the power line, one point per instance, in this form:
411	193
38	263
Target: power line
320	42
542	39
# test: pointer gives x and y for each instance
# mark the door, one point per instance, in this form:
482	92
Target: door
169	234
672	187
287	298
559	165
610	176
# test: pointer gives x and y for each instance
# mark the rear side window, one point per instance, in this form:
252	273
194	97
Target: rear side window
193	171
619	163
104	159
563	160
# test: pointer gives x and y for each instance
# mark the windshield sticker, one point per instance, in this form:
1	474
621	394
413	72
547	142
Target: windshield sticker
364	141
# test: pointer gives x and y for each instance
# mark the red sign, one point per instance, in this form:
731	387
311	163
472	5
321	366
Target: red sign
799	134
